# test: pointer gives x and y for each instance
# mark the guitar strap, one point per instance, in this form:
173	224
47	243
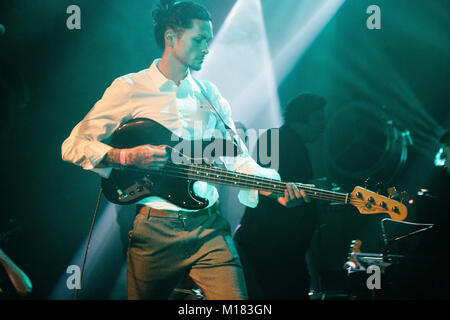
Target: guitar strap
211	106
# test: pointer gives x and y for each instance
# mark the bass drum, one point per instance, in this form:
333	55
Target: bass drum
362	142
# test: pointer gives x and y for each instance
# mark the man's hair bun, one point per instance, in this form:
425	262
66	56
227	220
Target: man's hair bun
161	13
177	15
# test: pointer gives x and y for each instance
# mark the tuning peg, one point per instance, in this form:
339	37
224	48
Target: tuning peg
378	187
366	182
404	196
392	191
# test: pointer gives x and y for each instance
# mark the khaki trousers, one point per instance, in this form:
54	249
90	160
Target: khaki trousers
163	250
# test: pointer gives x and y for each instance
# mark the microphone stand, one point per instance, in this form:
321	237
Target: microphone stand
387	243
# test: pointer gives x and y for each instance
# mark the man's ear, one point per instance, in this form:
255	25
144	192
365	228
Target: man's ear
170	37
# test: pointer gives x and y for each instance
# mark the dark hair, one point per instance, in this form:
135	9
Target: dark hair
177	16
303	105
445	138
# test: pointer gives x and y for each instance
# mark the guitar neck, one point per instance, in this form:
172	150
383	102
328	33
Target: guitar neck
246	181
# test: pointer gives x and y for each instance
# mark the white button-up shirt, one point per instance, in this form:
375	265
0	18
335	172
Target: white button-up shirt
182	109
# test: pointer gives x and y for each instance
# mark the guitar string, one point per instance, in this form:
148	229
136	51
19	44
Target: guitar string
195	167
260	181
249	181
270	182
351	199
272	185
313	193
230	183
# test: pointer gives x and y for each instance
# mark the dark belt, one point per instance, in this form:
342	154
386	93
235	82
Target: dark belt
174	214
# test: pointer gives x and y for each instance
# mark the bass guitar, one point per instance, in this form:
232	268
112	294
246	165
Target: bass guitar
174	182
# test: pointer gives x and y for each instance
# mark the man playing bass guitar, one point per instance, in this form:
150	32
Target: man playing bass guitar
167	241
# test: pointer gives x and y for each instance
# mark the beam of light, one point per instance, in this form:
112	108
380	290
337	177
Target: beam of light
241	65
239	54
119	291
242	48
374	71
307	29
405	108
431	33
105	242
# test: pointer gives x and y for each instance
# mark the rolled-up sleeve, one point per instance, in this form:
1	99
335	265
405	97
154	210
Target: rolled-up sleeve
85	146
243	163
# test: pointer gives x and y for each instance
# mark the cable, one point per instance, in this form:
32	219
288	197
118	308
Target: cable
88	241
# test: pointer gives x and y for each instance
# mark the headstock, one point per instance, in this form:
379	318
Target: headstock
369	202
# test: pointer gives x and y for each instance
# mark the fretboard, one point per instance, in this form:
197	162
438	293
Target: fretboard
221	176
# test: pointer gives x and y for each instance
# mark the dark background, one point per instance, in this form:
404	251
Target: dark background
52	76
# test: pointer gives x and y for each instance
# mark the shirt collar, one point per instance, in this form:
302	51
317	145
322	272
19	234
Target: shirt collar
160	79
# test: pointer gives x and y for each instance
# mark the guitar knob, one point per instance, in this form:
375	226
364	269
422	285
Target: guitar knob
368	205
371	199
121	194
359	195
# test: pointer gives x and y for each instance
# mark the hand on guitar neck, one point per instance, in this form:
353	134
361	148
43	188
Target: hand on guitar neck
292	197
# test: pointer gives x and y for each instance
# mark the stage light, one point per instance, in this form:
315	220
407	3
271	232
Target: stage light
439	158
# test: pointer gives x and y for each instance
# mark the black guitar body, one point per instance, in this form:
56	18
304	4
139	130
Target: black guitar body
128	185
